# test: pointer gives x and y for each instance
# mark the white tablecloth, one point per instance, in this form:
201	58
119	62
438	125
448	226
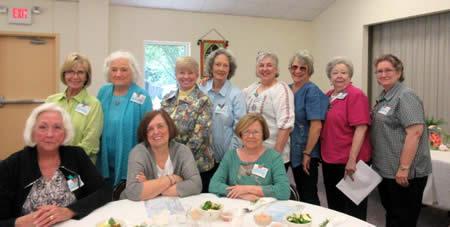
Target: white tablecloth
437	190
133	213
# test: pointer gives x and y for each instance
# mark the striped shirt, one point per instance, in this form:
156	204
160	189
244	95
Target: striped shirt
396	110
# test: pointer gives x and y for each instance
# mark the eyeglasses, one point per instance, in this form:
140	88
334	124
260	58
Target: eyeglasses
385	71
73	73
295	67
247	133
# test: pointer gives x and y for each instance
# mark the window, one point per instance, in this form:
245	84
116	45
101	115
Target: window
159	67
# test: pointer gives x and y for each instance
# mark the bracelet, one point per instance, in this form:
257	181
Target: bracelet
402	168
307	154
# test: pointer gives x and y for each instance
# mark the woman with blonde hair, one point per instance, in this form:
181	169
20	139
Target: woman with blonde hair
85	110
190	109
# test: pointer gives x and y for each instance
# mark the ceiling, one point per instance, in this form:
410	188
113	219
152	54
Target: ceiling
305	10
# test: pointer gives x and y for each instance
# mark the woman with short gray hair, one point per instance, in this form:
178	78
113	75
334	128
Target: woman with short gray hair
48	182
344	137
310	107
274	100
124	104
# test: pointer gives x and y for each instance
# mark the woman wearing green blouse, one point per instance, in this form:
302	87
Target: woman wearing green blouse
84	109
252	171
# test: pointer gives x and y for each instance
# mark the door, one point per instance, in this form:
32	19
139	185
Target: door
28	71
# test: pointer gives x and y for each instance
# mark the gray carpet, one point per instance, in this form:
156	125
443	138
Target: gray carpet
429	217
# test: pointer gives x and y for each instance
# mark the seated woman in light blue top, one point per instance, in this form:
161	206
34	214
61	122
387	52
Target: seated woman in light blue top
124	105
158	165
252	171
228	101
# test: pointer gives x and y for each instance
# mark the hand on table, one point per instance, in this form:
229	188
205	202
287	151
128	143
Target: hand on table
237	190
49	215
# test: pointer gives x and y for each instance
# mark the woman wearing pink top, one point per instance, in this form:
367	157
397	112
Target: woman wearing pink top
344	137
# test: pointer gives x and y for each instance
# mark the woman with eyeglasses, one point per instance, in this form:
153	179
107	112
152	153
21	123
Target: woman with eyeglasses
401	151
85	110
310	107
254	170
344	136
273	99
48	182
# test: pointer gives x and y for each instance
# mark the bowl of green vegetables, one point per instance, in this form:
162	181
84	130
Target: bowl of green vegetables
299	220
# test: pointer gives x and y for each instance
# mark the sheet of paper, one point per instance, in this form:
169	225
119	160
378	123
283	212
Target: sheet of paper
365	180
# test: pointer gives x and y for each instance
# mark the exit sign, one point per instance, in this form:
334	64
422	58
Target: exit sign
19	15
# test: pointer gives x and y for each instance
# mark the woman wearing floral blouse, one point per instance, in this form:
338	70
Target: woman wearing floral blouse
190	109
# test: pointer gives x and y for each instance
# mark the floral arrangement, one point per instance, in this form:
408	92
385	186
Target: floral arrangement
436	135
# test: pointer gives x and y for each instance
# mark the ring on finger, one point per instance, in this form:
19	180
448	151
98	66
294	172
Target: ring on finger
51	217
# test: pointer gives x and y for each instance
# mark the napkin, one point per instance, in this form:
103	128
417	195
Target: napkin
259	203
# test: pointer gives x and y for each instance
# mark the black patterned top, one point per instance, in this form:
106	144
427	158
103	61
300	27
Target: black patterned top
52	192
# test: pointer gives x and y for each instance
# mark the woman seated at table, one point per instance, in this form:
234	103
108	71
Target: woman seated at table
158	165
48	182
252	171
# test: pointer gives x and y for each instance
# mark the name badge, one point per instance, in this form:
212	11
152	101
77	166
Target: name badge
74	183
139	99
341	95
259	171
221	109
83	109
384	110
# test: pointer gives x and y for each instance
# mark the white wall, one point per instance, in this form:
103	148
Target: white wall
95	28
129	26
342	30
56	17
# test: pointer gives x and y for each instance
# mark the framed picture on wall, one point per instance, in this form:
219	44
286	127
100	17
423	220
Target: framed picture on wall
206	47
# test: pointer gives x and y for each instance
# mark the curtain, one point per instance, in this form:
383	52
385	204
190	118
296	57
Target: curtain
423	45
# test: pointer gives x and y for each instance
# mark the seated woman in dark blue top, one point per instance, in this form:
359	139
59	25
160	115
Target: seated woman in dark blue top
47	182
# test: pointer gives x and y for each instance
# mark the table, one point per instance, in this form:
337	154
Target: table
437	189
133	213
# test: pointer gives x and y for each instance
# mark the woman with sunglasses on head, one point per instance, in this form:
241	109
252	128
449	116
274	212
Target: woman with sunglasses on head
310	107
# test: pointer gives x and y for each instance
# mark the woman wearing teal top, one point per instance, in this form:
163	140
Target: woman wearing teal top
85	110
252	171
124	105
